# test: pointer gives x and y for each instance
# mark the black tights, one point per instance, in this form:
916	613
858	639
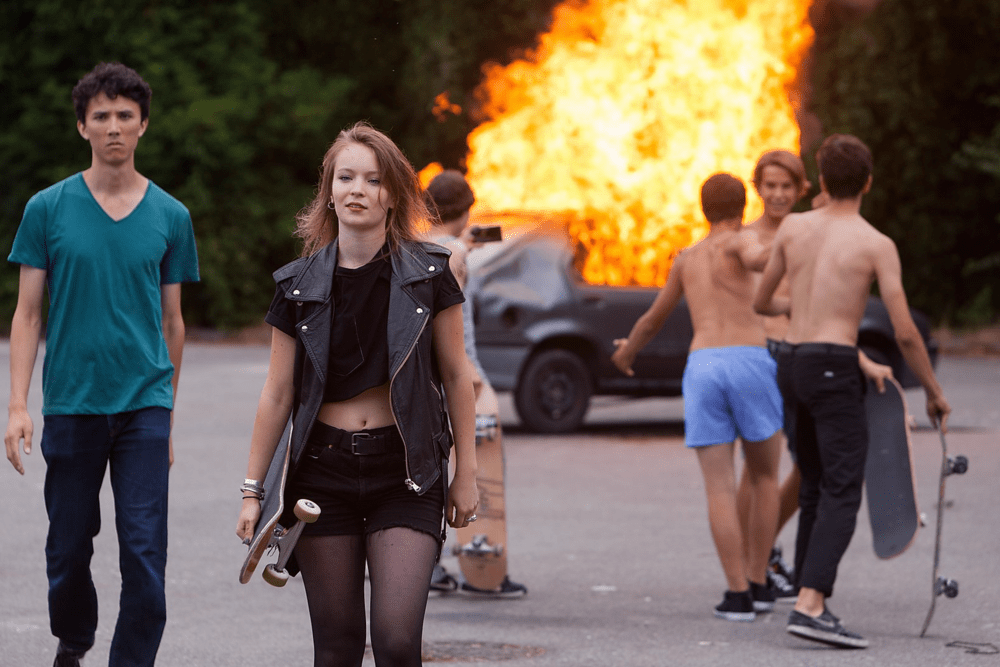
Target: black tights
400	561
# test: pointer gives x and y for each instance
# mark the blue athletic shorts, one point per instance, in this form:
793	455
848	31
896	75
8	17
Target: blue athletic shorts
729	392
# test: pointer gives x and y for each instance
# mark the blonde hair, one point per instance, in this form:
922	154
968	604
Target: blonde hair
317	224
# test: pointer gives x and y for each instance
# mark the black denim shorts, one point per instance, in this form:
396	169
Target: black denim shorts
358	481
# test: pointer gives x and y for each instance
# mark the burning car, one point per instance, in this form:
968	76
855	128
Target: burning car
545	335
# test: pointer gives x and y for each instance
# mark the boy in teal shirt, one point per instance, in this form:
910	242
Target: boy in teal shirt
113	249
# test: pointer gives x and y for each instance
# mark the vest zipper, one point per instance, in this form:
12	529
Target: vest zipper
410	484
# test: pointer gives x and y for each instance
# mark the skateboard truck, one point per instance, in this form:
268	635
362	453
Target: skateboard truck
284	540
479	546
941	585
486	428
946	587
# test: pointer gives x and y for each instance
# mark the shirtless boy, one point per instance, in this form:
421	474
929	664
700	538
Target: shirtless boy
729	390
780	180
831	256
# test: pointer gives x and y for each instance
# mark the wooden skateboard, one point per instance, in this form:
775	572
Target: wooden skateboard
940	585
269	534
481	547
889	481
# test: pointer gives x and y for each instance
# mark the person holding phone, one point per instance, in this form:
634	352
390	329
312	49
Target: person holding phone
449	196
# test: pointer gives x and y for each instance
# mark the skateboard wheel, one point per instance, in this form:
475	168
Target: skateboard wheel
959	465
950	588
274	576
306	511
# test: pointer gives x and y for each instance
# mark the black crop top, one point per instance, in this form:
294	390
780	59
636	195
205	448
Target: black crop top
359	347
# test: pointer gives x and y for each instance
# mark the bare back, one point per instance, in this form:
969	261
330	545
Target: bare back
830	262
719	293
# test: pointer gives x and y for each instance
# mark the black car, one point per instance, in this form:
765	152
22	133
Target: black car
546	335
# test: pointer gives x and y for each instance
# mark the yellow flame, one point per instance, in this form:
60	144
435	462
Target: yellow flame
625	108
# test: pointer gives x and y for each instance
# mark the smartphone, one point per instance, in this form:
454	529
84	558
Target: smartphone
487	234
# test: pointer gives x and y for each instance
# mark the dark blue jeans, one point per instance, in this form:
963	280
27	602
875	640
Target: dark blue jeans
77	450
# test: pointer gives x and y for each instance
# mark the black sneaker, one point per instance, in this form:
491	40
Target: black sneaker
736	607
781	587
67	657
763	597
826	628
441	581
507	589
777	564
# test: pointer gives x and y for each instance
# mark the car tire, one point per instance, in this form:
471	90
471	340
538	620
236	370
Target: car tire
554	392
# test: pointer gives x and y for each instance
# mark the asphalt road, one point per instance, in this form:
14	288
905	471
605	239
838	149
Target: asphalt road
607	527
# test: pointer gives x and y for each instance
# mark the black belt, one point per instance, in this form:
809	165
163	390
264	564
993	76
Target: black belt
360	443
817	348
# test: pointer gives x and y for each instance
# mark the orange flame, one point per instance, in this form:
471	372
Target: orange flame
444	106
427	174
623	111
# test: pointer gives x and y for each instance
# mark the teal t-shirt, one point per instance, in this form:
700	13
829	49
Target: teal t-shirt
105	351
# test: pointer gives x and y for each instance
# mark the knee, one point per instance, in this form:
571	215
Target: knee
395	646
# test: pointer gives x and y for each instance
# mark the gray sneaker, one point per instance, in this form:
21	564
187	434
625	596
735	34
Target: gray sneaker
825	628
507	589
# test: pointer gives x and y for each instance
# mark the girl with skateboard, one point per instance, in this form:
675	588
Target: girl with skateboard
367	359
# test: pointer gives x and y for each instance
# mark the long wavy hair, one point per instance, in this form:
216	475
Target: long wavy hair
317	224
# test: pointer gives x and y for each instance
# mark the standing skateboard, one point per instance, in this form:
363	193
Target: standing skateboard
889	480
481	546
269	534
940	585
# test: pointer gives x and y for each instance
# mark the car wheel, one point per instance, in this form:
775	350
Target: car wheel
554	392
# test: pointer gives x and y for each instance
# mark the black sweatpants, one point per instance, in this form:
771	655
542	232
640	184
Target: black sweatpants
823	389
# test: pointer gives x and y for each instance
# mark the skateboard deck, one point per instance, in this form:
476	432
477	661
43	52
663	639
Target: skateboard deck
482	546
889	481
269	534
940	585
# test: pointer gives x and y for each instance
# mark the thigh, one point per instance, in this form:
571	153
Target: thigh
140	456
75	449
140	466
707	419
717	468
752	391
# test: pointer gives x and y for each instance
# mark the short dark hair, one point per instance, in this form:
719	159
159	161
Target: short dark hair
723	196
112	79
450	194
845	163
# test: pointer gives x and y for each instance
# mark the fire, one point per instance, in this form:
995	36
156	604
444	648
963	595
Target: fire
623	111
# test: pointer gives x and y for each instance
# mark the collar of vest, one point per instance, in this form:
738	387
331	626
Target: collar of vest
413	262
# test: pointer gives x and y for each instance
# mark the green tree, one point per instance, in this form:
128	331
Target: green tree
247	96
232	135
918	82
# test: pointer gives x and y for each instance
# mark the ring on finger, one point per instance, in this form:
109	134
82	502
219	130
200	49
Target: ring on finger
472	518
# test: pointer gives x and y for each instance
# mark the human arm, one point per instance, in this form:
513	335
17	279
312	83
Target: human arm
456	376
650	322
173	334
874	371
273	409
765	302
456	262
751	252
888	272
25	331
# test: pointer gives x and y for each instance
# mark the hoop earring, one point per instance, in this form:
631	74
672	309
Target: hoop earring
330	206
